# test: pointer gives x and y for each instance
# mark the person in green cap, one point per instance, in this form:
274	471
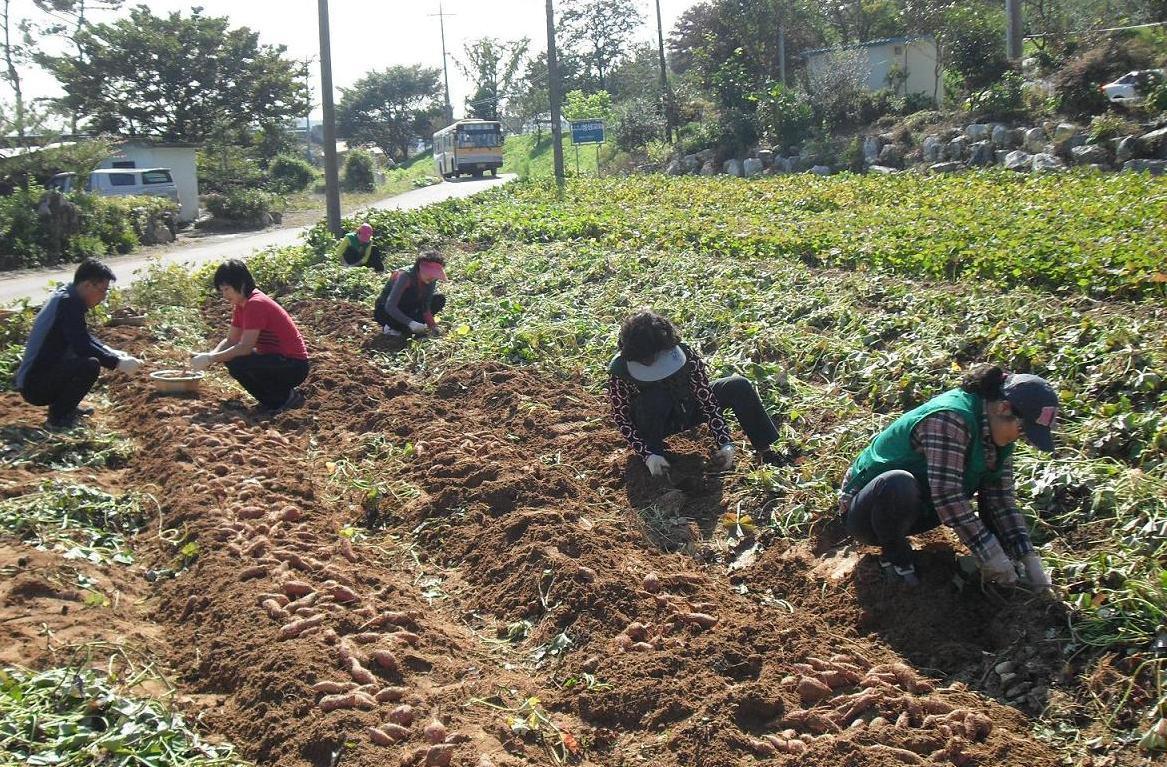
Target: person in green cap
357	249
923	470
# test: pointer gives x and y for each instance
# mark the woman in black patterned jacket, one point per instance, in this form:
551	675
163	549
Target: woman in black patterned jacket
658	387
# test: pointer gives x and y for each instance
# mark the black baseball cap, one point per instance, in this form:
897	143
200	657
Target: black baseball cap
1035	401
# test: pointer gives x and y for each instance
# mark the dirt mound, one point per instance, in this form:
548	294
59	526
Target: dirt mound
527	583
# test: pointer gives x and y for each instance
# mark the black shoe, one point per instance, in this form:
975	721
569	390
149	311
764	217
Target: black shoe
771	457
82	412
295	400
906	575
64	423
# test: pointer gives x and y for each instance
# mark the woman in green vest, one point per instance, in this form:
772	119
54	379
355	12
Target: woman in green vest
924	469
357	249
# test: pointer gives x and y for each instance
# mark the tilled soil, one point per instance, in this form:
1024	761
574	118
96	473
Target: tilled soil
516	551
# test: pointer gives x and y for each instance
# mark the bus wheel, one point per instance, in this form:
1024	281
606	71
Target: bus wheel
494	172
478	174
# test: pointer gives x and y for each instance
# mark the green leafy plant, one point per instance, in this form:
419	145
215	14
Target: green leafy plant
358	175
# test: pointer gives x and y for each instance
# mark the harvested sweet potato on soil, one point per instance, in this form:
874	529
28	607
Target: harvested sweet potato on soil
296	628
297	588
812	690
333	688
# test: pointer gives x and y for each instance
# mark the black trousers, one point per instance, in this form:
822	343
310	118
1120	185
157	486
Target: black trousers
409	310
376	260
732	393
62	385
886	511
269	378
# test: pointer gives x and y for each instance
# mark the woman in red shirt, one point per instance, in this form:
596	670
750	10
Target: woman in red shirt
264	350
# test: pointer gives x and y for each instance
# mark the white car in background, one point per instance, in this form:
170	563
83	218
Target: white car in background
1133	86
121	182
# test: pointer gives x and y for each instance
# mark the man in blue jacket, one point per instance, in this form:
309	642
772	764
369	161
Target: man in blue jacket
62	358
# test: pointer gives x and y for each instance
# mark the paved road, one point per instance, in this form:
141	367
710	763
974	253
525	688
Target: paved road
34	284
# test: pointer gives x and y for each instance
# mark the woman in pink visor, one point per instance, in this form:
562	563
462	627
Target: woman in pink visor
408	302
357	249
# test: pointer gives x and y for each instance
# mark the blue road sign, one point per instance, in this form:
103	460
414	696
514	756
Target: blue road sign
587	132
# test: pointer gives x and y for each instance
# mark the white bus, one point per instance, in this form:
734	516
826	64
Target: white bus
468	146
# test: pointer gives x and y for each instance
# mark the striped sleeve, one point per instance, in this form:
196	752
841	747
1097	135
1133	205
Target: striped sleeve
620	398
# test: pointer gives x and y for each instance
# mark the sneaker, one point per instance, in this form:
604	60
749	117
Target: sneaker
82	412
897	573
389	331
771	457
64	423
295	400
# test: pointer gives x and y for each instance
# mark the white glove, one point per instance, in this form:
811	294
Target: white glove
418	327
1035	575
129	365
200	361
723	458
657	465
999	570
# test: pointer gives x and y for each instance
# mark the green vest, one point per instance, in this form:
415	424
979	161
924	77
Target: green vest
892	449
350	244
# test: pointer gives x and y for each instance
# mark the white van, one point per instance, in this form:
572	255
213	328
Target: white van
122	182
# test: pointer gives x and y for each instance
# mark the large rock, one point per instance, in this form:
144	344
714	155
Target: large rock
1125	149
1019	160
710	168
946	167
706	155
766	157
675	168
1154	167
821	170
978	132
159	233
752	166
891	156
1034	140
882	170
733	168
1154	144
780	165
692	163
1065	132
871	147
981	154
956	150
1043	162
1089	155
1003	138
932	148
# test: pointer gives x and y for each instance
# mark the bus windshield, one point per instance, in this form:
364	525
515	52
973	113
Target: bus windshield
479	136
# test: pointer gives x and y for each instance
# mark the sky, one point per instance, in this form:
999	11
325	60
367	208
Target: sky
369	34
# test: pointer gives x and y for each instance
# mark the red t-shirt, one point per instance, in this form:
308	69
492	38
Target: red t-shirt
278	334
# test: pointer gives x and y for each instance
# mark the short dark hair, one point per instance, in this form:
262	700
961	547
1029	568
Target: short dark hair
92	270
429	257
235	273
646	334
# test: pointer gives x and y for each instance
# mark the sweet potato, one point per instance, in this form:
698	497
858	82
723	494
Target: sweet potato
406	638
250	512
641	647
297	588
255	571
343	594
295	628
279	599
652	583
387	734
704	620
359	673
637	631
435	731
386	660
334	702
274	611
439	755
290	514
333	688
346	549
391	694
402	715
812	690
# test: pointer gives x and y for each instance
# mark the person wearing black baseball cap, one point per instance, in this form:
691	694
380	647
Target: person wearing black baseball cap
923	470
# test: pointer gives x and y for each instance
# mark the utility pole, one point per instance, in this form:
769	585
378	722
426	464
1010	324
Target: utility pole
1013	31
445	69
782	53
331	177
666	94
553	87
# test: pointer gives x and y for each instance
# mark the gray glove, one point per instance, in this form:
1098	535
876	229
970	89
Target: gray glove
723	458
999	570
657	465
129	365
418	327
1035	575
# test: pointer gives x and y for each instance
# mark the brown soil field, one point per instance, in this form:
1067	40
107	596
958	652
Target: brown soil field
513	550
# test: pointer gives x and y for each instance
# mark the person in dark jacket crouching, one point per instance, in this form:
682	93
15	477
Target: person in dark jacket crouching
62	359
658	386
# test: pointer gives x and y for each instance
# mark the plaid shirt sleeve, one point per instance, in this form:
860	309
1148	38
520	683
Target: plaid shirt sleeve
943	439
620	398
999	504
699	378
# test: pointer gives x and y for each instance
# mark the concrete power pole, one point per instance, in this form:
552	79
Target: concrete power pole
553	86
445	68
331	177
1013	30
665	94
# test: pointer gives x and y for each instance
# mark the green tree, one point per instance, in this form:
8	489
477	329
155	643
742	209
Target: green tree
492	66
67	19
391	108
599	32
178	78
584	106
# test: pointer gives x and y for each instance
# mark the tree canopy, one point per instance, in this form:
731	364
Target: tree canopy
391	108
179	78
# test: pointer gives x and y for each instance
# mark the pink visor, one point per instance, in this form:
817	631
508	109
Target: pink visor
431	271
364	233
